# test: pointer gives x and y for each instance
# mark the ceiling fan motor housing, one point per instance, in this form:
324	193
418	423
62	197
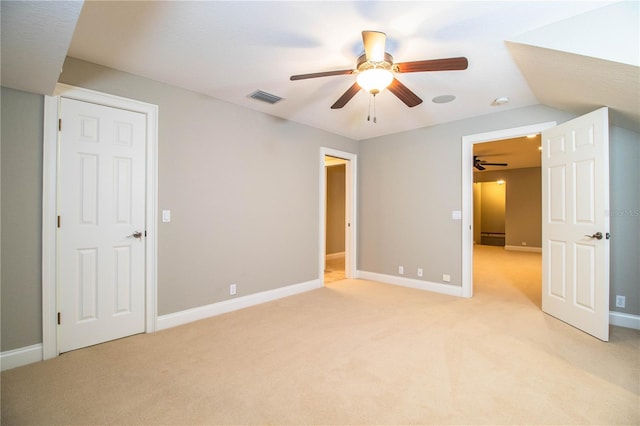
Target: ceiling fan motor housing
364	64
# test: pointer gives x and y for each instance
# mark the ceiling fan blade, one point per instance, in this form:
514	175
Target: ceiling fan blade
484	163
320	74
346	96
404	94
449	64
479	167
374	42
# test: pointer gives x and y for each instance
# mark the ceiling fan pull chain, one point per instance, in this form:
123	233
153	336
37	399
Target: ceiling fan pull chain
375	118
369	110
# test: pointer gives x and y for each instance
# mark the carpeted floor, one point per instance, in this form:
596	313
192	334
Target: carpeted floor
353	352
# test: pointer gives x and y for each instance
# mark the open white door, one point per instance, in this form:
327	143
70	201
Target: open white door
575	223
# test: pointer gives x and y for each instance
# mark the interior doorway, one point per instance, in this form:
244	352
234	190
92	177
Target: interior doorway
507	210
337	237
335	219
516	241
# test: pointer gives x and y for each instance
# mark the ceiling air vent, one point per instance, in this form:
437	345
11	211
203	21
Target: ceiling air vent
265	97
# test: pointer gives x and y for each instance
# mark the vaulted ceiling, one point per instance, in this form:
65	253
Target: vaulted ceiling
528	51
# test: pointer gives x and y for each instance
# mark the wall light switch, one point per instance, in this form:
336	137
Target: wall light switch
456	215
166	215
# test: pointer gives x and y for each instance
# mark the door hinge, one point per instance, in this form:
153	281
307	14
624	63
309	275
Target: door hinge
145	232
58	221
59	318
59	124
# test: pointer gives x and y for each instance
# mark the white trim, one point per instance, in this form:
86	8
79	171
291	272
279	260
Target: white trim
450	290
624	320
332	256
219	308
21	356
467	191
524	248
351	248
50	196
49	242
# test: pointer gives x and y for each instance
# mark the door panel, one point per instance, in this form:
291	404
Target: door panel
101	204
575	182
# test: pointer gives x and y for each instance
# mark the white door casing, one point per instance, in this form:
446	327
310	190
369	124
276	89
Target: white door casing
575	207
52	197
101	293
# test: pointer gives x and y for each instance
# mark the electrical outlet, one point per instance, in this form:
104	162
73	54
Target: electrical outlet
620	301
401	270
446	278
232	289
419	272
524	243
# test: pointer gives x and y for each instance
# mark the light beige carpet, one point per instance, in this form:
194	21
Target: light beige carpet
354	352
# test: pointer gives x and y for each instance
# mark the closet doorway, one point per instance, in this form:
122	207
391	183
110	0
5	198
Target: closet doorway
335	219
337	245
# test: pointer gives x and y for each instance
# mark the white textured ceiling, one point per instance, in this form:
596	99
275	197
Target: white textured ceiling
572	55
230	49
35	36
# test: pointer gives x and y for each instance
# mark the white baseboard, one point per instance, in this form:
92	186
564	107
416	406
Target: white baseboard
219	308
21	356
331	256
524	248
624	320
451	290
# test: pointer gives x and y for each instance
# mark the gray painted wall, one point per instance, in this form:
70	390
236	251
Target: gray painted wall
22	115
243	188
624	171
410	182
246	229
493	207
523	216
336	187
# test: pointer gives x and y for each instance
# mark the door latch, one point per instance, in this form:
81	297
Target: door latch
597	236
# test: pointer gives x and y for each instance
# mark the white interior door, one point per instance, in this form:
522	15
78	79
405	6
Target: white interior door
575	223
101	208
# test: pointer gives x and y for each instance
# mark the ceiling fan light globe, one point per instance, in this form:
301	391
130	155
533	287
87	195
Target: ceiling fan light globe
374	80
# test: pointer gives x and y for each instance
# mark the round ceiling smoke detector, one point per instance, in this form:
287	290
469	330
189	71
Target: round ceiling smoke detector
500	101
443	99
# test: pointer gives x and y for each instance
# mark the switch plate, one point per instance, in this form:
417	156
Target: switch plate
620	301
232	289
456	215
166	215
419	272
401	270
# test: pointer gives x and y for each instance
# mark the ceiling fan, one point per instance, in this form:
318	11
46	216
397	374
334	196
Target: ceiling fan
375	71
479	164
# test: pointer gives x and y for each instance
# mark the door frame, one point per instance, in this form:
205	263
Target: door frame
467	190
50	200
350	244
